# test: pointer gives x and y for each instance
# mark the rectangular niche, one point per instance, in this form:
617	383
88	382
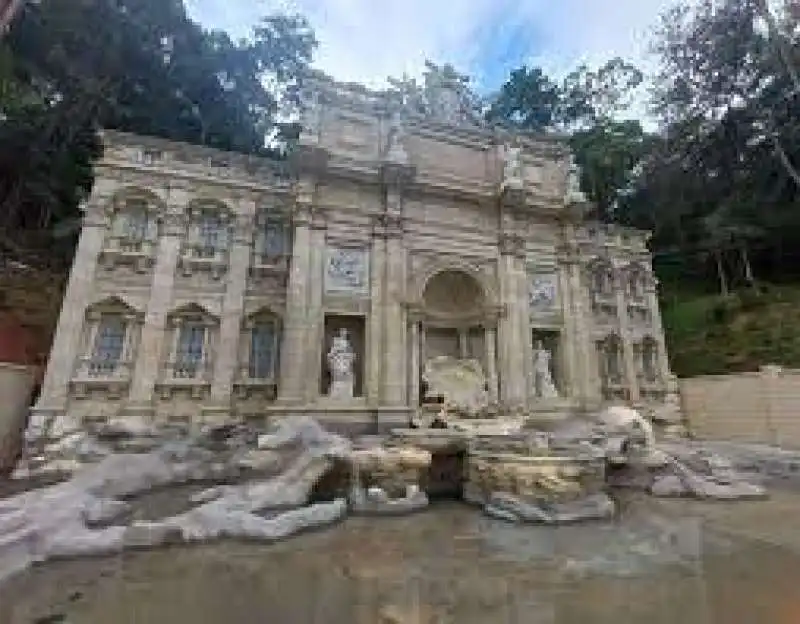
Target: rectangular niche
551	340
355	326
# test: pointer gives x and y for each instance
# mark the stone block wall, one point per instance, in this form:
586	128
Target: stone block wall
756	407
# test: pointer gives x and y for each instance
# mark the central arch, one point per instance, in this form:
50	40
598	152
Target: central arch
453	293
457	328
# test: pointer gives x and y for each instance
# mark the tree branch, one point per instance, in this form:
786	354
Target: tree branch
787	164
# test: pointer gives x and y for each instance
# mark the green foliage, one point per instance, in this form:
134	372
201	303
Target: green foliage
716	335
71	67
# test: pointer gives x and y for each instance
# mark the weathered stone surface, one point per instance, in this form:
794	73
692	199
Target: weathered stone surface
369	506
508	506
151	534
59	520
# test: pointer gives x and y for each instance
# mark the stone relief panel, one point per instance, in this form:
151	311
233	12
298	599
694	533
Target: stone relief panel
347	271
543	292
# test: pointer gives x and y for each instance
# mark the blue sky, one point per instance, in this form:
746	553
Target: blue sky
367	40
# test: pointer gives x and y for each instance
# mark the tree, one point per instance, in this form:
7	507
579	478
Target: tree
528	100
140	66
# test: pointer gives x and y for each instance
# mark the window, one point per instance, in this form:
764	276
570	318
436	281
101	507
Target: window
190	349
609	351
263	351
109	346
650	360
273	240
211	236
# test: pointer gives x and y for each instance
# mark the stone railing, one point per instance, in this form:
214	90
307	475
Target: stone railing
110	376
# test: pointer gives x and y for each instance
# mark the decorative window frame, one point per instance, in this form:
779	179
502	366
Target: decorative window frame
613	387
244	384
119	247
194	256
602	283
648	345
88	376
172	377
262	263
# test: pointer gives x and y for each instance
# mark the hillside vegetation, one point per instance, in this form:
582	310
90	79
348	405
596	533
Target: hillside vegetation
717	334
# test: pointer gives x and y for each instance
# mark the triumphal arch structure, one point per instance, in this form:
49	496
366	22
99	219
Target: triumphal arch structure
403	241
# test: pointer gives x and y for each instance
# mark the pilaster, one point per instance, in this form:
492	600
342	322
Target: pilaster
51	408
511	338
587	374
491	362
394	295
414	365
316	315
230	331
628	358
293	349
571	350
148	360
375	335
665	371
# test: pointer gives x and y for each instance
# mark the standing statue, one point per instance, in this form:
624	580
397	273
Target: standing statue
543	378
341	359
512	166
574	194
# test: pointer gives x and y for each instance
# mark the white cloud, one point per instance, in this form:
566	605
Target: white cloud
366	40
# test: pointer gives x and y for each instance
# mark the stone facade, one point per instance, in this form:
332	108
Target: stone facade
208	285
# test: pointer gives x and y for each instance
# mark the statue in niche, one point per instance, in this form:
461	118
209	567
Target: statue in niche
512	166
542	375
574	193
395	152
341	359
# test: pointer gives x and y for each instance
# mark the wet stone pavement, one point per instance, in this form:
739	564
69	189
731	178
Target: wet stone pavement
660	561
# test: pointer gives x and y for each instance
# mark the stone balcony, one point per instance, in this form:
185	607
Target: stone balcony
110	377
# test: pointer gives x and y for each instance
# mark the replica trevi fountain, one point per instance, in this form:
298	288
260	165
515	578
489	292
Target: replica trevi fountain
412	304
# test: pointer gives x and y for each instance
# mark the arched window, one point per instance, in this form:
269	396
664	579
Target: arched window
208	238
133	235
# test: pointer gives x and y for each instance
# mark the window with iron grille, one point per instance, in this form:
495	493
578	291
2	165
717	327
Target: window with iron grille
211	236
189	355
273	240
263	351
108	346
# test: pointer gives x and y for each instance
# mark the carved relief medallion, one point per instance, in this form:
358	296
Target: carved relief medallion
543	292
347	271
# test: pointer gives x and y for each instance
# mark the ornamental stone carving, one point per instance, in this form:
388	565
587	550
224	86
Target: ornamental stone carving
543	292
347	271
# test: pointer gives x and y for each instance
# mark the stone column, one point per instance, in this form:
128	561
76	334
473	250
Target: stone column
375	338
316	315
588	388
226	361
658	331
414	364
512	351
293	349
395	384
525	339
628	358
568	341
52	404
463	343
148	360
491	362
